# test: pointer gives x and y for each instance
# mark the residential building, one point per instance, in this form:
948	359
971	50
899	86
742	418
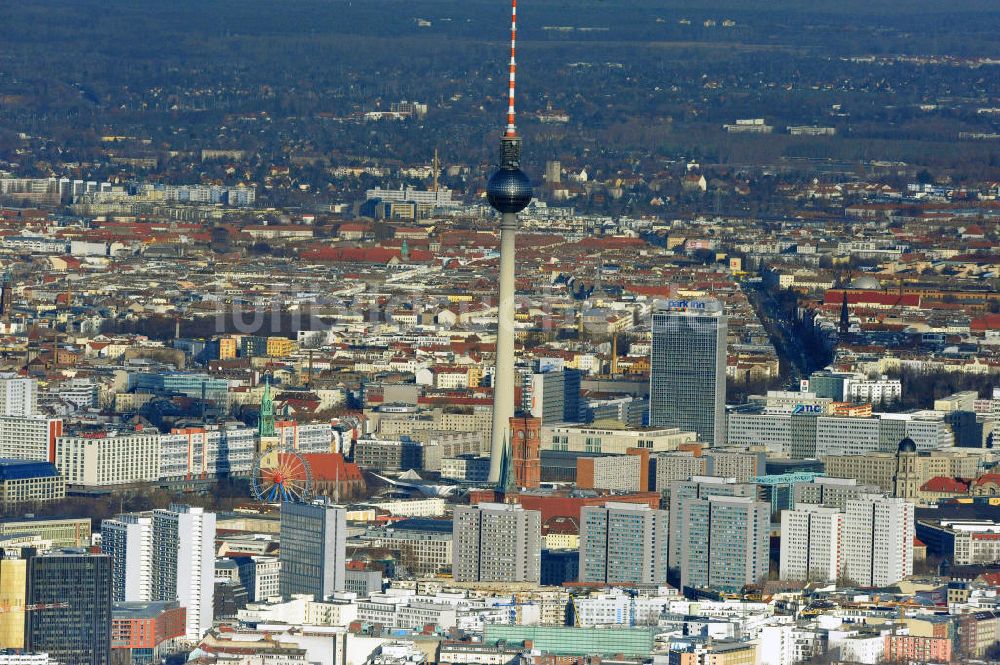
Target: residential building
698	487
128	540
724	542
496	542
830	491
878	540
18	396
184	564
425	545
623	543
811	543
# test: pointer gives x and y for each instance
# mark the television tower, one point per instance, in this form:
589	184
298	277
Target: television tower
509	192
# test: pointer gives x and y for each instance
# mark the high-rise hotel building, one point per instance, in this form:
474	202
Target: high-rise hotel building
687	378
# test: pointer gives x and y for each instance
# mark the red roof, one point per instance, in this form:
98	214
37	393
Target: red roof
362	254
945	484
987	322
331	467
836	297
987	478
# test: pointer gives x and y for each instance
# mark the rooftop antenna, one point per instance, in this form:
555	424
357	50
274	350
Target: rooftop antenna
437	169
511	125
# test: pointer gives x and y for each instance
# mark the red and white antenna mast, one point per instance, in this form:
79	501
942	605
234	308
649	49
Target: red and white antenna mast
511	127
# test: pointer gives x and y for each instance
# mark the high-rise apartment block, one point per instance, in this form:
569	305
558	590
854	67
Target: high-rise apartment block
184	563
623	543
811	543
313	549
496	542
18	395
687	379
724	542
128	540
878	540
698	487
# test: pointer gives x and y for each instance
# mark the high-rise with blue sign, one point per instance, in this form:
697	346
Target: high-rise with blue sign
687	379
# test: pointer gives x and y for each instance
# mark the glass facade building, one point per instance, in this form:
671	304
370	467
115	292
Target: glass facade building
81	632
313	549
687	379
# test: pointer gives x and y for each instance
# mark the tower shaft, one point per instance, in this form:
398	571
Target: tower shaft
503	376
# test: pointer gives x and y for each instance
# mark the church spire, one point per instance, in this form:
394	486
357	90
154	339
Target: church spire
507	483
265	421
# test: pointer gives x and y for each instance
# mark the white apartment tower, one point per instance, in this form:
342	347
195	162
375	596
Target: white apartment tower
184	563
811	543
878	540
18	395
128	540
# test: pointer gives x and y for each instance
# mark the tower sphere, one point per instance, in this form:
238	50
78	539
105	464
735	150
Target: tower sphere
509	190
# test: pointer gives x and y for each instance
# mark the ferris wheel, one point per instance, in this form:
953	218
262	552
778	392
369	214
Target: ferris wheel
281	474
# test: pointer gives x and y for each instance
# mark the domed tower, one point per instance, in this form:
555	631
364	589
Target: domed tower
906	480
509	192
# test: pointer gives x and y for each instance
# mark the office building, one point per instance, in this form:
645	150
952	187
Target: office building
107	458
61	532
495	542
13	593
878	540
880	469
698	487
807	435
18	396
29	481
81	632
553	396
724	542
313	549
399	455
260	576
128	540
811	543
963	542
779	489
623	543
687	380
184	564
616	440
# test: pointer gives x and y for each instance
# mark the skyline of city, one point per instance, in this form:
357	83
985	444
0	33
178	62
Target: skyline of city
699	368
